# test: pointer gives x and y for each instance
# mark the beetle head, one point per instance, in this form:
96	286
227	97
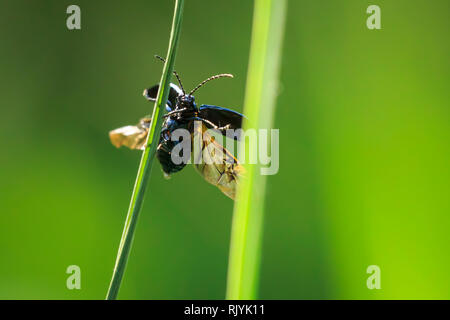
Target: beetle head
186	101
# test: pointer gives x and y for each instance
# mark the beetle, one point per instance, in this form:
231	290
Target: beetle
219	167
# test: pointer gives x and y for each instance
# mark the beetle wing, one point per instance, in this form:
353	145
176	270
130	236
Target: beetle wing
222	117
215	163
133	137
151	93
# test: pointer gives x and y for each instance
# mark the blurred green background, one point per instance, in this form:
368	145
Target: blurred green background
364	150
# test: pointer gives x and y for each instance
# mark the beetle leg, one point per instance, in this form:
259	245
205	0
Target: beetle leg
211	124
168	114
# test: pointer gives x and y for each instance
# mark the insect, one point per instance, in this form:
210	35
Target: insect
219	167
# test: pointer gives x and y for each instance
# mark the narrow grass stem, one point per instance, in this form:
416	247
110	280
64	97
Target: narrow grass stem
259	106
147	158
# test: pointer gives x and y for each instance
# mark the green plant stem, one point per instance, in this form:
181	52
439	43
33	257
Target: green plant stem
259	107
147	158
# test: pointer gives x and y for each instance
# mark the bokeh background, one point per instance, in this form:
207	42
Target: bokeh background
364	151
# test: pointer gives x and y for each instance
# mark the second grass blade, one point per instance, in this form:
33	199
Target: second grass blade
259	104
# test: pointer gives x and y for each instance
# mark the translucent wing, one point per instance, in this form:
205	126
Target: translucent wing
214	162
133	137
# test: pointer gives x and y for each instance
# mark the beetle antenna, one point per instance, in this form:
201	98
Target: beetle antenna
174	72
217	76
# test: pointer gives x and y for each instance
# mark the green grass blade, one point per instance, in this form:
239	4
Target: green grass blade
147	158
259	107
